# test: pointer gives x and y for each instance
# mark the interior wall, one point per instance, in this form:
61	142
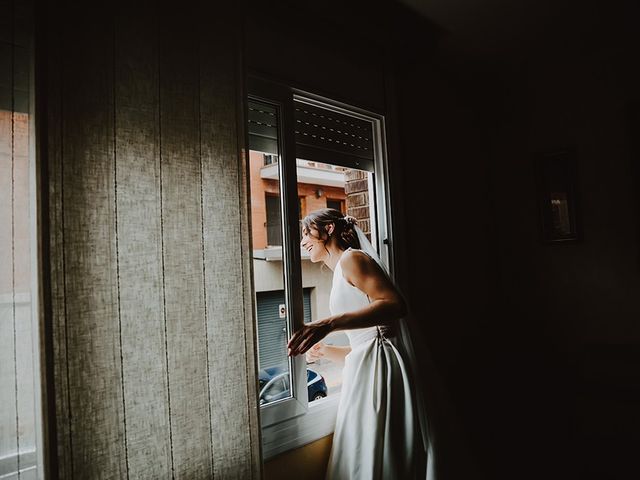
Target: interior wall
570	311
553	371
310	47
451	272
308	462
154	363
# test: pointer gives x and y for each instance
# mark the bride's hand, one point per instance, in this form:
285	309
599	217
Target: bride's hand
316	352
307	336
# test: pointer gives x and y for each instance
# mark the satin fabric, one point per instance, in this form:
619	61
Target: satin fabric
377	433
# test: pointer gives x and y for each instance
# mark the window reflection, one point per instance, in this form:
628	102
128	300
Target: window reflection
267	227
17	301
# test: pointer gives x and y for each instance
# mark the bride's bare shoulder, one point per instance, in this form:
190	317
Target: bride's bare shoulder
356	262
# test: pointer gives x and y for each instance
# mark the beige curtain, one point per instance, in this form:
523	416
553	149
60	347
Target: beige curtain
154	353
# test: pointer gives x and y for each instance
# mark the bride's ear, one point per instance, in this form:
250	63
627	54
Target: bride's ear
330	228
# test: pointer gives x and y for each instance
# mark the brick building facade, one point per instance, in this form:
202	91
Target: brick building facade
351	196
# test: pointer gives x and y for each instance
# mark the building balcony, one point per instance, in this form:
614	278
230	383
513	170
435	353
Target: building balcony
274	254
309	172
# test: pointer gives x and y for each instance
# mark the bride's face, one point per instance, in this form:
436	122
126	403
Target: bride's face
313	244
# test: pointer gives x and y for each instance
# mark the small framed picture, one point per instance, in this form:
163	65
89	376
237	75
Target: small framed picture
557	196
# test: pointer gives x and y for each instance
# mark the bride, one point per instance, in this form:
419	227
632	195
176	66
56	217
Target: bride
380	431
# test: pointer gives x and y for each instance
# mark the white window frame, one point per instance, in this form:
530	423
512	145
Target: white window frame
293	422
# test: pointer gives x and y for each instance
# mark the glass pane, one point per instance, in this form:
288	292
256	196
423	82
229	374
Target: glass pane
276	389
19	400
266	216
322	185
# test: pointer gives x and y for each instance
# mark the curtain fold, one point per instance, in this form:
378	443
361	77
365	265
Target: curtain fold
154	341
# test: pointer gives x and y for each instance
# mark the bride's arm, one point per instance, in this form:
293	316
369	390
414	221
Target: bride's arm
336	353
386	305
333	353
385	308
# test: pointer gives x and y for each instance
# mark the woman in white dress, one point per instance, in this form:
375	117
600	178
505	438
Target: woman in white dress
379	432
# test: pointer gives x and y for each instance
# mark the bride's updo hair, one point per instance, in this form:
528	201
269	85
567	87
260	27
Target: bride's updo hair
344	230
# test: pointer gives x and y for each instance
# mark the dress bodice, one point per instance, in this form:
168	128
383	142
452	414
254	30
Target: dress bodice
347	298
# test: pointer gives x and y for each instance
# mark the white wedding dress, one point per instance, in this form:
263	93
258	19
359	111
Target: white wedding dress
377	433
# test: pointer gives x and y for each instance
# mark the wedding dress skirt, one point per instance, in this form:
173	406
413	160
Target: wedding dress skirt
377	433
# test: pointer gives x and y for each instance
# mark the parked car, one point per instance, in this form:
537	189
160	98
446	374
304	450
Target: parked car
275	384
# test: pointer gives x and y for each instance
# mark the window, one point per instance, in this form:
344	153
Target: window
21	434
350	186
321	154
274	223
272	332
337	204
270	159
274	257
275	389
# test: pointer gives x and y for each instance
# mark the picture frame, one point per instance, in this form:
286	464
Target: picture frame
557	196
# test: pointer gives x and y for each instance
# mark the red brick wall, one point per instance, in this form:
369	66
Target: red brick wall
308	191
357	190
260	187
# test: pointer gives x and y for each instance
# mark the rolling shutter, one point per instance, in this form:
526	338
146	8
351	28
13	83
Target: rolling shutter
263	128
321	134
272	332
328	136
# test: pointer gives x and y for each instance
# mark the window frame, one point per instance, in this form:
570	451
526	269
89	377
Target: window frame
292	423
281	99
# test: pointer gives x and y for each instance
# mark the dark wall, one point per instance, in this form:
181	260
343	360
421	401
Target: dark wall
313	47
557	360
572	309
445	151
538	344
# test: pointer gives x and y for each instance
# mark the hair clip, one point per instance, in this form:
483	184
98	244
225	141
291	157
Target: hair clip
350	220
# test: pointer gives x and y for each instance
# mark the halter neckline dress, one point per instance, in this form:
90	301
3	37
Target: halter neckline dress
377	431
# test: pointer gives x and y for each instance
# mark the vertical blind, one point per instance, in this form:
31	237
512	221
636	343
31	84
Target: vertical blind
154	349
